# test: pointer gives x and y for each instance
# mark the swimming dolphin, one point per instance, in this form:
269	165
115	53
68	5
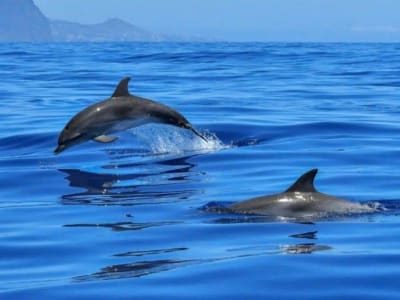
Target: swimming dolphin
120	112
301	200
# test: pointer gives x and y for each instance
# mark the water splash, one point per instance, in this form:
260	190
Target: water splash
171	140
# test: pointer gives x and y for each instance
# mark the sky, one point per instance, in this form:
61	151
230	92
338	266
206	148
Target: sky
244	20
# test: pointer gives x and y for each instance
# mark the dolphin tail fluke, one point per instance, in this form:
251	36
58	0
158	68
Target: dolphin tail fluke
198	134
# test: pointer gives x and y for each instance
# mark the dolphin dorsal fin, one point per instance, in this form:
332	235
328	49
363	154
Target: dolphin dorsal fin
305	183
122	88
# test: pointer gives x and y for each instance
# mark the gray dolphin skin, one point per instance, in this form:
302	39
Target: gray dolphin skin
120	112
301	200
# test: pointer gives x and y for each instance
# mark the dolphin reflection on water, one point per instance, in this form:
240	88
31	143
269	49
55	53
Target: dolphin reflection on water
126	184
120	112
142	262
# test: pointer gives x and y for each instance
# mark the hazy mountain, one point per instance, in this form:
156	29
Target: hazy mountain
110	30
22	21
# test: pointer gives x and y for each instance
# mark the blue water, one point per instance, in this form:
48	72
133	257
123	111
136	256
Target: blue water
124	220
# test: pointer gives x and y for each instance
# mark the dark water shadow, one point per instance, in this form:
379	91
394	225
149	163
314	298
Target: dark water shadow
250	141
304	248
132	184
256	134
391	206
311	235
150	252
123	226
289	248
148	267
132	270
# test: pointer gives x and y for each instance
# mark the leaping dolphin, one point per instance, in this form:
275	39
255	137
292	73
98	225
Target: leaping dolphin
301	200
120	112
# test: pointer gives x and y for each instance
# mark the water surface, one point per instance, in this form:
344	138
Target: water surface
123	220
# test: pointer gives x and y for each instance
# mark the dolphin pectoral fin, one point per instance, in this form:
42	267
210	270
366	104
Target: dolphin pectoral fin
105	139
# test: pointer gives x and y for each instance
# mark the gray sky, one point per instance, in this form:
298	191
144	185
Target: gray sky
244	20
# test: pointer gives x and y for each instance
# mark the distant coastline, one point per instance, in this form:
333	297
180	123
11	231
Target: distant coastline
23	21
111	30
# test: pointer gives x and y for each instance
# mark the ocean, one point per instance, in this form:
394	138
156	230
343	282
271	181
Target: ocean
126	221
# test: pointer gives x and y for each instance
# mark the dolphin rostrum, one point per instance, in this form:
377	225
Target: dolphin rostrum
301	200
120	112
